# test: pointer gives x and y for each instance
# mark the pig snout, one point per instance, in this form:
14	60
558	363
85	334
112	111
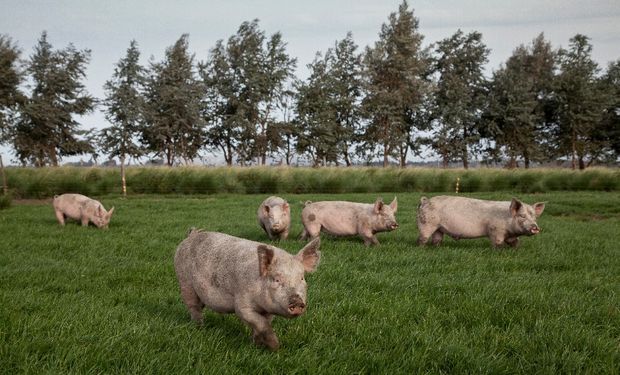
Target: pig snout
276	226
296	306
535	229
393	225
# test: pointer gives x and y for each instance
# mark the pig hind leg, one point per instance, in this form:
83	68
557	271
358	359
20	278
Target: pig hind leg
311	230
426	232
192	301
60	217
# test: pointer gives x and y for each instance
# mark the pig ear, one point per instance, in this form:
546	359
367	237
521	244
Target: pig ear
285	206
266	208
99	211
378	205
539	208
111	212
394	205
515	205
310	256
265	259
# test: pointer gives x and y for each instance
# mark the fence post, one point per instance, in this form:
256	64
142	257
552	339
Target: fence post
5	187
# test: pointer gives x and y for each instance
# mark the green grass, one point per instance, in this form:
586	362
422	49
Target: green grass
81	300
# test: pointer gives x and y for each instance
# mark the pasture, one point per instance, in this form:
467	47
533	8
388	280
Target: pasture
82	300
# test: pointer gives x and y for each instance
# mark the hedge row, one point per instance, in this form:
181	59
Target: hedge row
46	182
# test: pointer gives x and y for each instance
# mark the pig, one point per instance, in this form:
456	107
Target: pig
342	218
253	280
82	208
274	216
459	217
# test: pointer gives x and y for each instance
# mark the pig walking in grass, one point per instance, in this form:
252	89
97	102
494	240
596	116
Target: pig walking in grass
341	218
253	280
82	208
274	216
459	217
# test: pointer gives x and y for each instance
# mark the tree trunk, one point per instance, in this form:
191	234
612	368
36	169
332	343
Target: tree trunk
169	156
582	164
53	157
386	160
403	155
123	180
445	162
347	160
526	159
5	187
512	162
574	150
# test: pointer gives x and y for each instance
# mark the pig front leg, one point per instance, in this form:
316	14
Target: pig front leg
284	235
262	332
512	241
369	237
84	220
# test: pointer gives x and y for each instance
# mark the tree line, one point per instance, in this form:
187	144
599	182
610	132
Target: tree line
390	100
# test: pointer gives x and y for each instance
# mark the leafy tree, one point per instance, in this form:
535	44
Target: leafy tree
316	117
396	71
334	89
460	95
46	129
609	129
220	109
11	77
276	70
175	127
582	103
346	92
124	109
519	98
246	79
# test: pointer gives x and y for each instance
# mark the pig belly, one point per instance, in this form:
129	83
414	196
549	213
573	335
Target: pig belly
73	213
338	227
463	229
215	299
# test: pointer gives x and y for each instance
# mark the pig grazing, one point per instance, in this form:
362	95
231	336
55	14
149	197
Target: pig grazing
341	218
274	216
459	217
253	280
82	208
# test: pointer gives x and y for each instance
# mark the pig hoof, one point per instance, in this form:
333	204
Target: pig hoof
268	340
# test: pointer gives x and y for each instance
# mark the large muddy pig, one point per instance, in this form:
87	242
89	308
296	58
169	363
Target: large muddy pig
342	218
82	208
459	217
274	216
253	280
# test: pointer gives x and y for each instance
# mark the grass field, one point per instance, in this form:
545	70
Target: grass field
81	300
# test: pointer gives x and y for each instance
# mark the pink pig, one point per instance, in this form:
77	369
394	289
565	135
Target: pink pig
82	208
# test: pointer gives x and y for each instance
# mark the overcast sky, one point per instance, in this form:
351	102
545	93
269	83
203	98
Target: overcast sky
107	26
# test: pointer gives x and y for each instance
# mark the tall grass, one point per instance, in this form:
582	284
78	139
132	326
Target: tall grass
46	182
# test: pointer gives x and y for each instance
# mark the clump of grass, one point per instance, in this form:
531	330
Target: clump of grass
5	201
